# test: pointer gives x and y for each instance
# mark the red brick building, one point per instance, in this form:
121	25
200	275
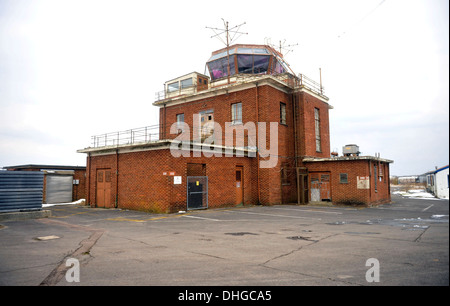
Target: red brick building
250	133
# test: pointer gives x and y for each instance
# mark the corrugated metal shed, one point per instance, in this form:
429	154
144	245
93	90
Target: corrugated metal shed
21	190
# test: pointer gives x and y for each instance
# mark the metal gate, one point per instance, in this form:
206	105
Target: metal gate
197	192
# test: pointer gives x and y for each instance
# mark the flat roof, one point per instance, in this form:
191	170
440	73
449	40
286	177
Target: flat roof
345	158
46	167
440	169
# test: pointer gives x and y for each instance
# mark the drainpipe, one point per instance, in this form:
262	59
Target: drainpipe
294	119
257	143
88	197
117	179
370	180
164	122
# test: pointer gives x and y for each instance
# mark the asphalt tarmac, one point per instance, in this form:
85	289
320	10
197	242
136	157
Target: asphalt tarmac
405	243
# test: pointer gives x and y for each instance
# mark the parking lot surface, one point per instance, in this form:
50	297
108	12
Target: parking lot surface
259	246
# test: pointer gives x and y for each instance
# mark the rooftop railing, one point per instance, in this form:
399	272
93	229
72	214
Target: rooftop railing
291	80
309	83
133	136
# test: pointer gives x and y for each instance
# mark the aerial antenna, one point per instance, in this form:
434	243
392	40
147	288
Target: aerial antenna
361	20
228	38
282	47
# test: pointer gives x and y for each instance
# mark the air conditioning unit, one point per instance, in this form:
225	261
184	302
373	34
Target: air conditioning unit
350	150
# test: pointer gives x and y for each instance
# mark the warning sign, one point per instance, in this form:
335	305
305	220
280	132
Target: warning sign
363	182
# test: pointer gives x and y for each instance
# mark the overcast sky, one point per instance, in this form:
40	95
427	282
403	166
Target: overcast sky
70	69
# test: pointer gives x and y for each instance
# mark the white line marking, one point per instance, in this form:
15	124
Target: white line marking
272	215
210	219
310	210
425	209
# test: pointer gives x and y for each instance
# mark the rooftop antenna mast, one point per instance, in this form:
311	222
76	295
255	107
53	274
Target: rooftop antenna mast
228	38
282	47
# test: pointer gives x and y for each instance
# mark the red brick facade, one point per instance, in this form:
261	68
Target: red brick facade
144	180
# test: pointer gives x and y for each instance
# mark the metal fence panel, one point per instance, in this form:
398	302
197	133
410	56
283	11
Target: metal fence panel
197	192
21	190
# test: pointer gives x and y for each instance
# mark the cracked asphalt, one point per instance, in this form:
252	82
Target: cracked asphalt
259	245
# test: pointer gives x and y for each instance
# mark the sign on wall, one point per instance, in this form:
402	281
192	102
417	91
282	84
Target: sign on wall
363	182
177	180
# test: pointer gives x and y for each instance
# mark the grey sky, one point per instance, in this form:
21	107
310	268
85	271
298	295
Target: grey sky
71	69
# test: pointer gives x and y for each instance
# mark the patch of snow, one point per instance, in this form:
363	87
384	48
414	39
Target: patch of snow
415	193
438	216
80	201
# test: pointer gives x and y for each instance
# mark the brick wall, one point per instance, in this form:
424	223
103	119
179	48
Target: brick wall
79	191
143	186
306	129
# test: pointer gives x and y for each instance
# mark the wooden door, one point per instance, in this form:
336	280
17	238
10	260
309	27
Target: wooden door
315	187
320	187
325	188
104	188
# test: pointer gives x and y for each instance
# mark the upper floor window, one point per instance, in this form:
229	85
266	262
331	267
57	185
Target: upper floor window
317	129
186	83
283	113
236	113
180	121
180	118
173	87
